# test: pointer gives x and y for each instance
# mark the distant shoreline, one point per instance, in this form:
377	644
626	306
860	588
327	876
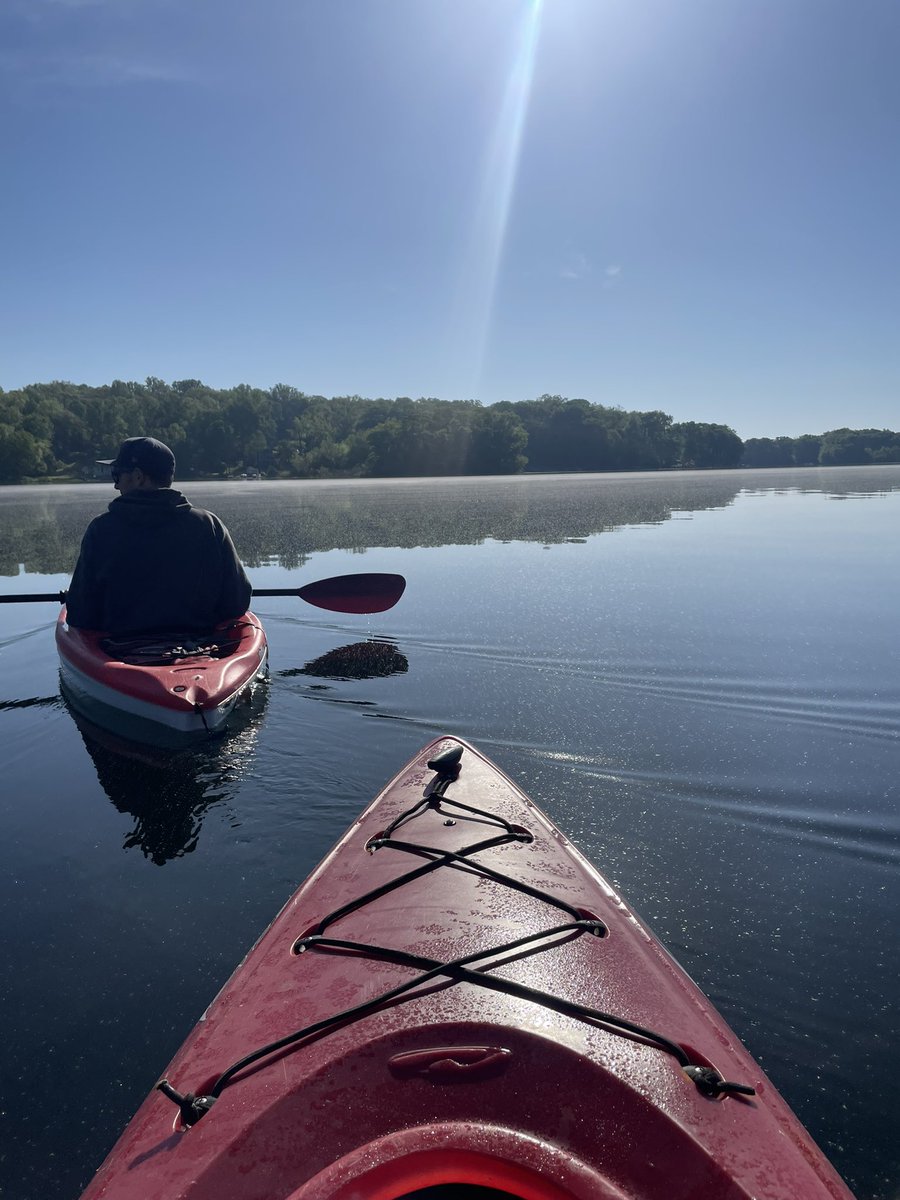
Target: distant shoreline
68	481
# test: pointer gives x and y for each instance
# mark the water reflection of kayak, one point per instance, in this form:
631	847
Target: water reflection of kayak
168	793
456	1003
165	689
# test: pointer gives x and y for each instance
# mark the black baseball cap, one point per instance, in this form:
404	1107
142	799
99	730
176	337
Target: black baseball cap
146	453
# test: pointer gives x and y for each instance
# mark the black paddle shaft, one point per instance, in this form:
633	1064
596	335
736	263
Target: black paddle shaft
371	592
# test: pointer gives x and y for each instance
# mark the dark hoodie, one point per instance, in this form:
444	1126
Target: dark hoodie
154	562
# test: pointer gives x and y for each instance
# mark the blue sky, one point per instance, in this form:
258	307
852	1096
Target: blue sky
689	205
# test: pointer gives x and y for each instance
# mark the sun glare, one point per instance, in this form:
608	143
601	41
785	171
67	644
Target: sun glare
481	263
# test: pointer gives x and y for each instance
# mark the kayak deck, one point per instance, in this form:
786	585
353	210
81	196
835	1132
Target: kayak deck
167	687
455	996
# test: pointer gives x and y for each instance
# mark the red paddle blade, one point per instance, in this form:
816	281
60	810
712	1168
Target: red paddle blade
362	593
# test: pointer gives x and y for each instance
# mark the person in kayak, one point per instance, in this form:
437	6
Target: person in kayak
153	561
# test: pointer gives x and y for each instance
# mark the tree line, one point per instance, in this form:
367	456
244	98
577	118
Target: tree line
836	448
53	430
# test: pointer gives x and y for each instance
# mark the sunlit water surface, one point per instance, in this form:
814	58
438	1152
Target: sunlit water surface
696	675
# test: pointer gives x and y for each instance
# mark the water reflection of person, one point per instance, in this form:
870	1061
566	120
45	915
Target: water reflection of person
167	794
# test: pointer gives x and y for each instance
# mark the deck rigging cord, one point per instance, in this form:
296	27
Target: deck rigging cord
160	649
446	765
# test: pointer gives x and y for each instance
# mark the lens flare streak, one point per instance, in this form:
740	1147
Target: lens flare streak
481	264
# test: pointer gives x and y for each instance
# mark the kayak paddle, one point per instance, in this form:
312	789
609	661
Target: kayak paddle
365	592
34	597
361	593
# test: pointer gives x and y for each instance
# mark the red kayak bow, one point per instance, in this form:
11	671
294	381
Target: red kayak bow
455	997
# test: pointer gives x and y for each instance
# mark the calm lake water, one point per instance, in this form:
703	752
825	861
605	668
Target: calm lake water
697	675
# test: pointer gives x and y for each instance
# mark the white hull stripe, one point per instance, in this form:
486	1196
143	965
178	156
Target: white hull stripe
186	721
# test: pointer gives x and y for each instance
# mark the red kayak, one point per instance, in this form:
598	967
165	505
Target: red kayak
161	688
456	997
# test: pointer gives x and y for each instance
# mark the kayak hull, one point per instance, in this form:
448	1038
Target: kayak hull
174	700
467	1077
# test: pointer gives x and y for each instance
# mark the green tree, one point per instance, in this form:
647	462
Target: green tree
20	455
387	448
853	447
650	442
498	443
767	452
707	445
806	450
